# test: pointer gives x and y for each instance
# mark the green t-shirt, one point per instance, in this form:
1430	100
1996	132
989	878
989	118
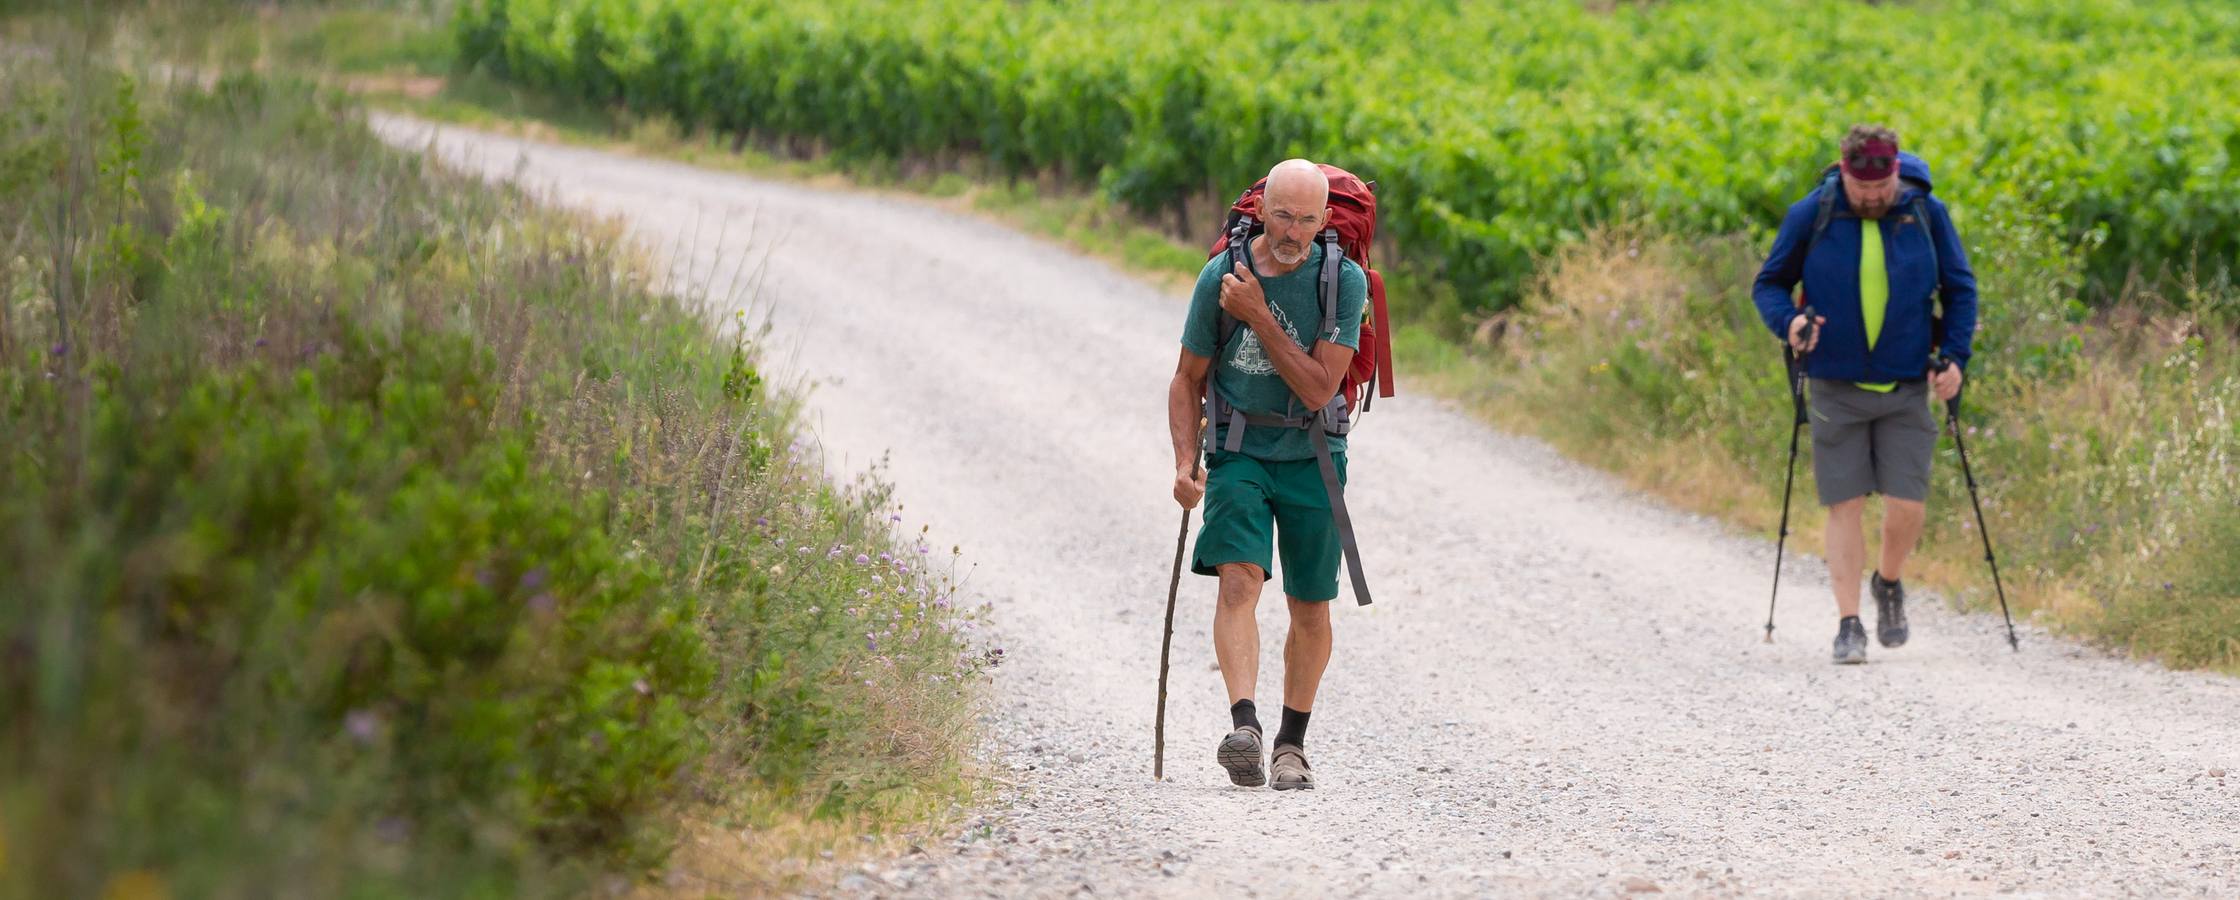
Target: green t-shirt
1244	374
1874	287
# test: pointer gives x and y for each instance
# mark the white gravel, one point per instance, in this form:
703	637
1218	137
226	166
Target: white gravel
1560	690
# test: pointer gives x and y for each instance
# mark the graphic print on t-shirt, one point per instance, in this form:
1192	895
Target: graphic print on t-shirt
1251	358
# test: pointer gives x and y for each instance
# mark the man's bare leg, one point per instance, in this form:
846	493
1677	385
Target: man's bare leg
1901	529
1236	628
1236	643
1306	653
1847	553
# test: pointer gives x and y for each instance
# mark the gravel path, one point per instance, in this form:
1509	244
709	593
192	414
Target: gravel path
1560	690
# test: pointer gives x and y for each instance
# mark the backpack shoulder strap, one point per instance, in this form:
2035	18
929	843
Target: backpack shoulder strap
1333	260
1220	414
1936	266
1829	185
1240	232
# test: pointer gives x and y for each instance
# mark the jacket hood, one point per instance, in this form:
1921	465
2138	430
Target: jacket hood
1915	169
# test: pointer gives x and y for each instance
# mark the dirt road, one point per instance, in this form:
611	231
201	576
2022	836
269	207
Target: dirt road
1560	690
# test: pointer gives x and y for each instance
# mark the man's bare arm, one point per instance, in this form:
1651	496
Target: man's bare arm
1184	396
1313	377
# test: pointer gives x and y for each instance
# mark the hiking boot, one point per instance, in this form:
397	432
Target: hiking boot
1890	611
1292	773
1240	754
1851	642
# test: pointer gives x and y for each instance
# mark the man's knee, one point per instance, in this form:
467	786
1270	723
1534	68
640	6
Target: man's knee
1309	618
1850	509
1240	584
1912	509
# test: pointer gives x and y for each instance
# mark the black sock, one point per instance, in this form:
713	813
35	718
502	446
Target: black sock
1242	714
1294	730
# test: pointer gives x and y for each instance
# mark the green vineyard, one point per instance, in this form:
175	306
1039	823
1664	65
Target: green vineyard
1498	132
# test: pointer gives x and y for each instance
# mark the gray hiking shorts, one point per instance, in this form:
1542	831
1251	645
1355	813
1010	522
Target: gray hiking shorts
1866	442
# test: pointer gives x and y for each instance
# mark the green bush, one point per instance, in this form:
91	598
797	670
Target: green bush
369	531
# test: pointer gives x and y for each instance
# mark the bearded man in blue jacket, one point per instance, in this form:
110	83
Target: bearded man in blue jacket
1878	258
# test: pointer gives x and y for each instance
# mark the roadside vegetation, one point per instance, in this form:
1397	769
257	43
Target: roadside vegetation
367	530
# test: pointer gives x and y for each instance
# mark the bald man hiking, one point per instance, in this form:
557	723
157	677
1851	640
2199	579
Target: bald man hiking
1878	257
1267	347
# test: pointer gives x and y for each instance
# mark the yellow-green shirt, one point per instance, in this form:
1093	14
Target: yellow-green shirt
1874	286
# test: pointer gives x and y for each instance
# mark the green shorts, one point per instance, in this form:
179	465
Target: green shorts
1255	508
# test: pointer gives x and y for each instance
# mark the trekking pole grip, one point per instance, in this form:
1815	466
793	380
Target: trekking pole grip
1952	406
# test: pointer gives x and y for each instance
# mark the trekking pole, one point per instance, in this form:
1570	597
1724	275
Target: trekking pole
1166	639
1791	358
1952	419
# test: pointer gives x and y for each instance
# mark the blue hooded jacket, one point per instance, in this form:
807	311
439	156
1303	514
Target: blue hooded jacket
1924	259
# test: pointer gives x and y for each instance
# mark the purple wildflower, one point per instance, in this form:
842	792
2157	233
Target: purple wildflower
363	725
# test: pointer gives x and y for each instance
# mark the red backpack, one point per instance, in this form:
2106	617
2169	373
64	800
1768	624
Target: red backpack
1353	227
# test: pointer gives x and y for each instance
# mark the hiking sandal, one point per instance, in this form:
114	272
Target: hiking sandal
1240	754
1291	770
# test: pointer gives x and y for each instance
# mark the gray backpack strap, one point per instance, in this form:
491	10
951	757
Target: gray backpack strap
1239	252
1337	492
1218	412
1333	259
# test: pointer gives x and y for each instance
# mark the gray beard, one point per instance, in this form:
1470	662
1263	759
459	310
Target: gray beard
1289	259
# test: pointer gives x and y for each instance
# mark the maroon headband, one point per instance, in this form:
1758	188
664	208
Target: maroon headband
1872	161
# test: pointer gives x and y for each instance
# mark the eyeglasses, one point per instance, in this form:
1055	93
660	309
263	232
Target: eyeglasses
1287	221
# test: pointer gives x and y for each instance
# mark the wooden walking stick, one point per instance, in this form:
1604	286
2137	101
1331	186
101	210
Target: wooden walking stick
1166	639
